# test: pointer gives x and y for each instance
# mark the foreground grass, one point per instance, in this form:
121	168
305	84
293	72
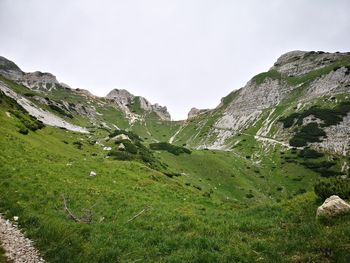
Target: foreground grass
2	256
180	223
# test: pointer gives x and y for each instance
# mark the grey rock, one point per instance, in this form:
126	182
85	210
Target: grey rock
194	112
296	63
125	99
333	206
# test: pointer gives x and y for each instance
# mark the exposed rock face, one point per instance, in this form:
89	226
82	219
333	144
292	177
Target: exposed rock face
248	105
333	206
121	97
335	82
296	63
40	81
120	137
44	116
35	80
194	112
10	70
124	99
337	138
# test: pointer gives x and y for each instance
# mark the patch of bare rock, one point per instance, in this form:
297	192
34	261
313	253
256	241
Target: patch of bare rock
18	248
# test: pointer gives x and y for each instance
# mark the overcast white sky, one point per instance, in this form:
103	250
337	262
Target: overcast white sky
179	53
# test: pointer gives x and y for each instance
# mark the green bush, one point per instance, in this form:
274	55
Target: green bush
121	155
78	145
328	116
297	142
323	168
60	111
23	130
249	195
310	153
130	147
333	186
309	133
28	121
164	146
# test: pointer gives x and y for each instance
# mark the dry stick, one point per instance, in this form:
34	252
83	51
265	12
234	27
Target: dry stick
138	214
68	211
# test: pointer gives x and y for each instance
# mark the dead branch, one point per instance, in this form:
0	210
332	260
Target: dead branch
139	213
70	214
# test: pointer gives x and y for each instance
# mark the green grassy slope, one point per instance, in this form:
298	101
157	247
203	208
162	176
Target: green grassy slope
180	223
3	259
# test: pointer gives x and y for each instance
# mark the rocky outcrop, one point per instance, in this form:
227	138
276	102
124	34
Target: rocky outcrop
40	114
194	112
121	97
333	206
336	81
34	80
125	100
296	63
337	138
248	105
10	70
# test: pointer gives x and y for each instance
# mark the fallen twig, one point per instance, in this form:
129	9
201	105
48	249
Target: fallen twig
71	215
139	213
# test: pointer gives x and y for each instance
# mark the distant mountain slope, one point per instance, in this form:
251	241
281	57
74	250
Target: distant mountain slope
59	105
296	82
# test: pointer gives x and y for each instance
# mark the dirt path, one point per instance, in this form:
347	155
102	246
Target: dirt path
18	248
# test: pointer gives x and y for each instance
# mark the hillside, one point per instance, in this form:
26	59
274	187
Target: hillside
93	179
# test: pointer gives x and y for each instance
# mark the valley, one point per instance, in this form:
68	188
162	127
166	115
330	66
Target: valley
114	179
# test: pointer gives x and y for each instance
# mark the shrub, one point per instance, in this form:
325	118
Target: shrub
60	111
333	186
78	145
323	168
328	116
121	155
172	174
28	121
129	147
23	130
297	142
164	146
309	133
310	153
300	191
249	195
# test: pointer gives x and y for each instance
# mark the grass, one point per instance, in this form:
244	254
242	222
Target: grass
3	259
182	223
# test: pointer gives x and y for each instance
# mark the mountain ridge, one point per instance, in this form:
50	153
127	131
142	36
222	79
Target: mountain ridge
296	81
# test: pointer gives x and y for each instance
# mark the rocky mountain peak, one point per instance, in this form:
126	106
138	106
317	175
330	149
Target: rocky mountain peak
296	63
9	69
124	99
41	81
194	112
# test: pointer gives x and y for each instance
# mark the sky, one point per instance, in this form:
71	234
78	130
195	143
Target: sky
178	53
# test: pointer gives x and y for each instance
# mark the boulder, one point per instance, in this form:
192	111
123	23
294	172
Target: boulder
121	147
120	137
106	148
333	206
